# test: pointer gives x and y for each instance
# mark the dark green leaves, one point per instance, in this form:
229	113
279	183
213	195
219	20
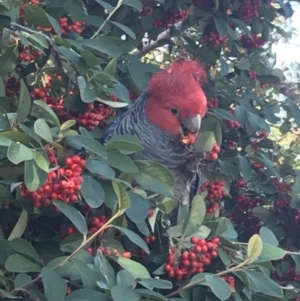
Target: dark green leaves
21	264
55	287
73	215
92	192
133	3
124	142
136	239
219	287
24	103
87	92
118	292
89	144
205	142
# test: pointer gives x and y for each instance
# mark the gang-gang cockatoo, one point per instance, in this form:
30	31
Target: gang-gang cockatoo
172	104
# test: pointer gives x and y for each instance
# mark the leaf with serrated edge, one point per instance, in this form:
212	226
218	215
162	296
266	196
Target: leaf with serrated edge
255	247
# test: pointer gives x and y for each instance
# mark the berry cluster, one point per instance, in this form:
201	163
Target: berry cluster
96	223
281	203
215	193
212	102
27	54
62	184
252	74
168	20
254	41
280	186
189	139
12	87
150	239
213	39
242	214
249	9
230	144
213	155
66	25
257	165
257	138
232	124
69	230
215	190
230	280
147	11
92	116
109	252
240	184
182	266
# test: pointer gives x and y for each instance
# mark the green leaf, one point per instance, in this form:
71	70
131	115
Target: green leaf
73	215
8	295
18	153
24	103
111	66
221	26
124	142
105	270
219	287
18	263
122	195
243	63
126	278
269	253
36	15
196	216
135	268
87	92
224	67
20	226
42	129
241	25
119	291
126	29
8	60
67	124
87	295
24	247
55	287
112	104
133	3
54	24
263	284
105	5
255	247
152	295
100	168
92	192
155	177
112	46
246	168
88	276
156	283
205	142
34	177
133	237
121	162
22	279
138	209
41	161
89	144
268	236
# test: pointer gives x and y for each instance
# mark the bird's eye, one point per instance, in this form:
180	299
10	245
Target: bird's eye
174	111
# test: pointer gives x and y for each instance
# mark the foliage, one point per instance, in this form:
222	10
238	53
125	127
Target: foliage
83	221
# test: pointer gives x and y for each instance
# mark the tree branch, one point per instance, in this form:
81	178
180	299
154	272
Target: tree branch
153	44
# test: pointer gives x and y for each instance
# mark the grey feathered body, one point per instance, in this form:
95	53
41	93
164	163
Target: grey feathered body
158	146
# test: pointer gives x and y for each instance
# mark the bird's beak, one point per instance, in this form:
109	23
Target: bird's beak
192	124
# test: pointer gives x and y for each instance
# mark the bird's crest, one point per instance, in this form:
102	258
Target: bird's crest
180	77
